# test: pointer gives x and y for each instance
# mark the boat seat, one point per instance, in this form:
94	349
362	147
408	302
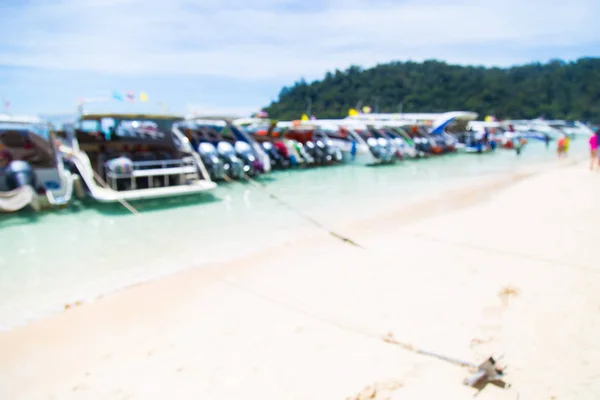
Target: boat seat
144	156
14	139
164	155
121	166
89	137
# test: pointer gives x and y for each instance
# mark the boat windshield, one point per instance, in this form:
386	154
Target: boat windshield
42	130
558	126
26	142
335	133
215	125
130	129
255	128
352	134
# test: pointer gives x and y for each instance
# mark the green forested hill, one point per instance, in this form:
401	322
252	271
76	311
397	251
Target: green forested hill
555	90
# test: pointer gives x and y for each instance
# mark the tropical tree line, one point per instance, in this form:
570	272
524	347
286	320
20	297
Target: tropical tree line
553	90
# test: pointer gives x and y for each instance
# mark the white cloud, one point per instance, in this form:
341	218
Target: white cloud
282	39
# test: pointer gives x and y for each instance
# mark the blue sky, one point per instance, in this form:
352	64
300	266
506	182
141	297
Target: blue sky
233	56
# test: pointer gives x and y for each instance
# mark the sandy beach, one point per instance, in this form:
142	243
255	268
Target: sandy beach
503	267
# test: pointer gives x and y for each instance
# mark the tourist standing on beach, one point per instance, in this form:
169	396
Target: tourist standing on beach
562	145
594	149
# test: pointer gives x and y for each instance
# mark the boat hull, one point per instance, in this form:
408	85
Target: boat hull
112	196
107	195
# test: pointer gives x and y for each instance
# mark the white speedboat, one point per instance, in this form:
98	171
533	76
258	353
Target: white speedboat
343	134
132	157
400	139
352	147
32	174
570	128
237	135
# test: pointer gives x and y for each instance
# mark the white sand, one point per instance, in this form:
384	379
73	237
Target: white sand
305	321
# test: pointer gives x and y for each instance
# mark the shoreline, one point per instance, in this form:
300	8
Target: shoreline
416	207
286	322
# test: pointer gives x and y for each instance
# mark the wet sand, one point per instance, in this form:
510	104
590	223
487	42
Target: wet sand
508	267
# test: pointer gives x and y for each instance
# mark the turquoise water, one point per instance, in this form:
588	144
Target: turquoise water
51	259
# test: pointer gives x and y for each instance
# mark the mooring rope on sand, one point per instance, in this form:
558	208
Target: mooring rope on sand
357	329
354	328
308	218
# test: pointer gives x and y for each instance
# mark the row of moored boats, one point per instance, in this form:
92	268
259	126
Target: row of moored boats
131	157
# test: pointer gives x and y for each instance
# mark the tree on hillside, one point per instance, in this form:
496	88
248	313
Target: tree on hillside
557	90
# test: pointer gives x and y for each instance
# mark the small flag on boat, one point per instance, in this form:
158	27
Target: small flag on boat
304	117
352	112
130	96
143	96
117	96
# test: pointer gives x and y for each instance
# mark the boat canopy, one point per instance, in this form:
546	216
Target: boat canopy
224	126
481	125
130	126
23	119
395	116
323	124
28	139
445	119
203	122
228	119
31	124
252	121
429	118
130	116
40	129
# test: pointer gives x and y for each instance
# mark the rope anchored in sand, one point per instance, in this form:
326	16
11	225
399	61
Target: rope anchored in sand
482	374
308	218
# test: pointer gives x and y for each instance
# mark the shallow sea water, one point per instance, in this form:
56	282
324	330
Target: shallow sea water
59	257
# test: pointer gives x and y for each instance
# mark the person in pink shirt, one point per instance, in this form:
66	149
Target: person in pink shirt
594	142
